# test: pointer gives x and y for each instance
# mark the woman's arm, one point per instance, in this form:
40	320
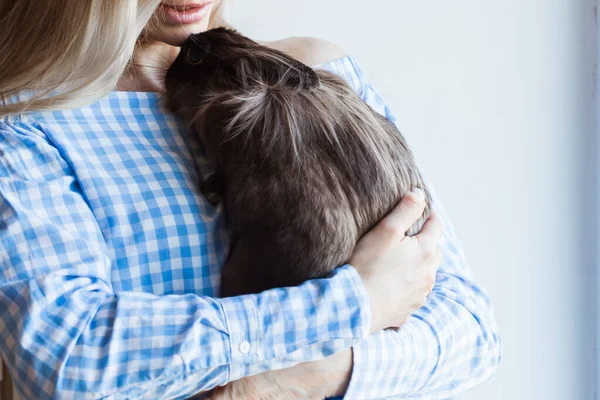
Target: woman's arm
449	345
65	333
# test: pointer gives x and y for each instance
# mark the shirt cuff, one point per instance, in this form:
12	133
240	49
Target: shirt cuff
279	322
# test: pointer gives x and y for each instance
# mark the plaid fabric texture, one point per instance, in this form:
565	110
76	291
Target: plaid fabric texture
110	263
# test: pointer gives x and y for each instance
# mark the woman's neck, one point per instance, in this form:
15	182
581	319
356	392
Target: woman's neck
147	68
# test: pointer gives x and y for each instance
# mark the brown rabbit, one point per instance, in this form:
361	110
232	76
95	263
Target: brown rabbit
305	167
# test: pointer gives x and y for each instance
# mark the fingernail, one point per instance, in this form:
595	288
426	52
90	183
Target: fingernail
419	194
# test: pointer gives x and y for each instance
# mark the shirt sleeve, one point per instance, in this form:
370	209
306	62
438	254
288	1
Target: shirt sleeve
449	345
65	333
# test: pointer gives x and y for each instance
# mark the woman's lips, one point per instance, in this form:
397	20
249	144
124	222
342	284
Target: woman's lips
185	14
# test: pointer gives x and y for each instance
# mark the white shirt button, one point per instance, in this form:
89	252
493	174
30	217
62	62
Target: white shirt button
244	347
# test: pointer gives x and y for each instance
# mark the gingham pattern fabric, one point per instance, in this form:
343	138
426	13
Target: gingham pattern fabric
110	261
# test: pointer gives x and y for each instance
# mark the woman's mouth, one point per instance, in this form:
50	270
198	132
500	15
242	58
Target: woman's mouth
185	14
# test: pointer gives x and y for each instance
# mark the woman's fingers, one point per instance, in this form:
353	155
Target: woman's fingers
431	232
405	214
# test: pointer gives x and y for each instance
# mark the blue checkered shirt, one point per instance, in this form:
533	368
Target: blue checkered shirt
110	261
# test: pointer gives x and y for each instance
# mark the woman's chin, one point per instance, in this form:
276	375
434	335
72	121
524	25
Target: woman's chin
176	35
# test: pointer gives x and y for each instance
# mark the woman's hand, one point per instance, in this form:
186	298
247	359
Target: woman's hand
315	380
399	271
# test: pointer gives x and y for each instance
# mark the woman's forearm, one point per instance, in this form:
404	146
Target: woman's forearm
139	344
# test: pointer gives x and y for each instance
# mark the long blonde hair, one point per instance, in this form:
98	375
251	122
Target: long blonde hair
70	53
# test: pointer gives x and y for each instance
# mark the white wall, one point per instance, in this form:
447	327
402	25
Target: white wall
496	99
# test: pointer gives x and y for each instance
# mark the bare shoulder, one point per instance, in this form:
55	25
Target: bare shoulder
308	50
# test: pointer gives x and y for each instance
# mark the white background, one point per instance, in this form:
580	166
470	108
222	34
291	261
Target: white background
497	99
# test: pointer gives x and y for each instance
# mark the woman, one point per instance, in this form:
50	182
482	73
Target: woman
110	256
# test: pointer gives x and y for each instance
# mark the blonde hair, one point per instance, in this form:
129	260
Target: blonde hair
68	54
